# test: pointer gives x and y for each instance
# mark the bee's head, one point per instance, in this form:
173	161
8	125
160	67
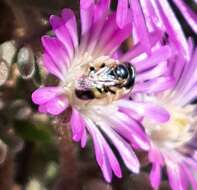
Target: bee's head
125	72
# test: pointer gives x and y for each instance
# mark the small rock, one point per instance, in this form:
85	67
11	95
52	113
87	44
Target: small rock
34	184
26	62
3	151
8	51
20	109
4	72
97	184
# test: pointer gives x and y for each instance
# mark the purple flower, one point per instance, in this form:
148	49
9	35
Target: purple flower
173	144
78	60
150	14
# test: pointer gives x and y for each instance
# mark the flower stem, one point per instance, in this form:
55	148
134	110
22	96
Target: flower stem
68	160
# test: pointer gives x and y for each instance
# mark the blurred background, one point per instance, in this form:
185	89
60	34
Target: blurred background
36	151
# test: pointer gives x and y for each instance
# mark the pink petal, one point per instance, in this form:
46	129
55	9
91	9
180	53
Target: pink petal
140	25
174	174
157	71
71	24
138	48
106	169
146	109
99	150
124	149
177	66
186	98
52	67
150	15
62	34
101	11
45	94
190	176
183	178
42	108
156	85
107	33
159	55
56	51
86	16
155	156
155	176
97	142
112	37
122	11
189	15
188	78
85	4
130	113
173	27
130	130
56	105
84	138
117	38
111	157
77	125
87	21
113	161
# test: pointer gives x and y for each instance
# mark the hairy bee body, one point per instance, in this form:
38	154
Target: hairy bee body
106	80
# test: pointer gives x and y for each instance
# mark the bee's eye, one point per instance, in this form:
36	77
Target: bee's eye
121	72
132	75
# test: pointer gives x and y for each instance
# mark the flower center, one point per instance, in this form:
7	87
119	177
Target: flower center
177	131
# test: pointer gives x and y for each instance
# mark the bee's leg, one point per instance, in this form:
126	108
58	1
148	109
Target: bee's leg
118	95
101	90
106	89
102	65
110	90
98	92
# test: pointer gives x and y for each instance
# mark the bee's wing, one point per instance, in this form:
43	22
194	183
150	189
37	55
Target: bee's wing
103	77
99	79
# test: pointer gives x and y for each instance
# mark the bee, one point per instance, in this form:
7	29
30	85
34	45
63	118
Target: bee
105	80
